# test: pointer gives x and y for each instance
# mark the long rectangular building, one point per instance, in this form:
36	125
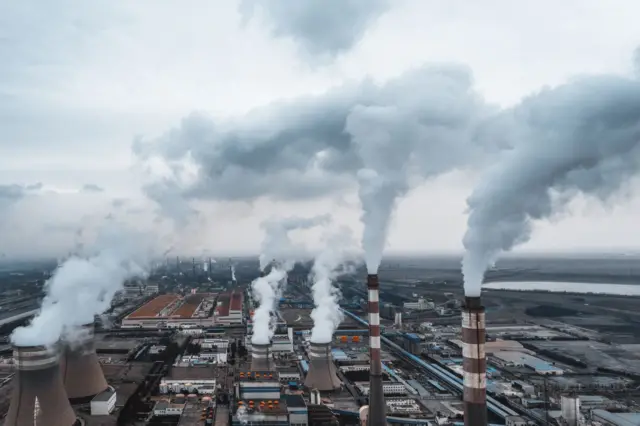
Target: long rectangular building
172	310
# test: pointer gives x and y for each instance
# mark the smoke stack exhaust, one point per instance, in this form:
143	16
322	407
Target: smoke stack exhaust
261	357
81	371
474	363
322	372
39	396
377	407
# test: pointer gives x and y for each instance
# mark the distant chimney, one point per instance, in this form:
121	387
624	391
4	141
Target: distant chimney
39	396
81	371
261	357
474	363
322	371
377	407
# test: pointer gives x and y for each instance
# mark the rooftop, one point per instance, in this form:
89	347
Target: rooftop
236	301
104	396
188	306
154	307
295	401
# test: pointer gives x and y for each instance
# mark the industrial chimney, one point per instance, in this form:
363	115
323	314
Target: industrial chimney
81	371
261	357
377	407
322	372
474	363
39	396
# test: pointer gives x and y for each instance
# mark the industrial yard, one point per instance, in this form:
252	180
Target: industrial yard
172	370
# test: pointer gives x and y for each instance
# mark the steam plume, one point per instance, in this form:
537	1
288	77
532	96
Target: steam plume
299	149
281	253
233	273
84	287
581	137
278	246
328	265
266	291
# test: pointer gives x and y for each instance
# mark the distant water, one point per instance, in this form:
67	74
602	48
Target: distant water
618	289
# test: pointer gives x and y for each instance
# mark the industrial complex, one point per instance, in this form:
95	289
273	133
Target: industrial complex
180	353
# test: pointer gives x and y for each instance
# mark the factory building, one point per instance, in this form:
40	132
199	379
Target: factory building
173	311
229	309
202	386
103	403
421	305
259	402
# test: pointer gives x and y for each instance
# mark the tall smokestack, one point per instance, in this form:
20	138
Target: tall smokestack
38	379
474	363
377	407
261	357
322	371
81	371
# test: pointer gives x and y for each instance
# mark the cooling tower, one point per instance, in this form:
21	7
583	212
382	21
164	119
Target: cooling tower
377	407
474	363
81	371
39	397
322	371
261	357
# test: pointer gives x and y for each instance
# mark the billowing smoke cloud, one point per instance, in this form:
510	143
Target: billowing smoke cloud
11	194
327	266
233	273
266	291
83	287
581	137
277	245
312	146
279	252
321	28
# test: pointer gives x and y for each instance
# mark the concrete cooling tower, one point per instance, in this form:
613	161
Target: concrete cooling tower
322	371
261	357
39	397
81	371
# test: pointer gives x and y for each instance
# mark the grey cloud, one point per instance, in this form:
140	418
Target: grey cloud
90	187
319	27
118	202
636	62
583	136
301	149
10	194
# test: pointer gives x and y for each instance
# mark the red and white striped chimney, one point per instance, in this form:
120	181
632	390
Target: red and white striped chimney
474	363
377	407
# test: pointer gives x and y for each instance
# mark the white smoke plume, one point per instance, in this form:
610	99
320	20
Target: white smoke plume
277	244
281	253
205	266
233	273
82	287
580	137
266	290
328	265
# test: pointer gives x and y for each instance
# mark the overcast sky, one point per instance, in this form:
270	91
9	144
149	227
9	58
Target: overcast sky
81	81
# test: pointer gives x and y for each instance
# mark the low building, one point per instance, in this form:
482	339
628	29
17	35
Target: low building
202	386
298	412
166	408
519	359
616	419
421	305
387	388
103	403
